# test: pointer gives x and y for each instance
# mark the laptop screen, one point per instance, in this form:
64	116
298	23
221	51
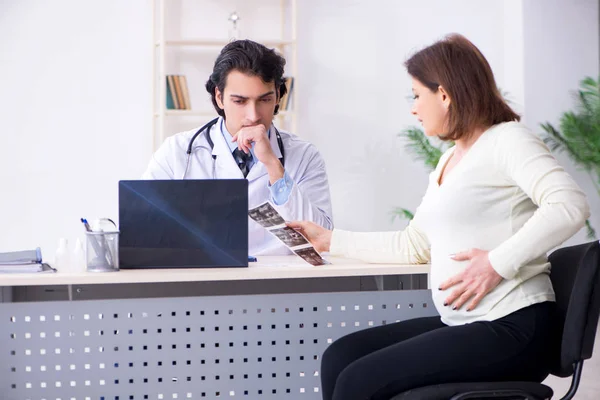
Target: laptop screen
183	223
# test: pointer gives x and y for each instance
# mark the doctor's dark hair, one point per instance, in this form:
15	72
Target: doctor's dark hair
457	65
249	58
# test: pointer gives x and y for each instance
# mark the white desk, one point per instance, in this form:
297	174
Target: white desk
268	267
194	347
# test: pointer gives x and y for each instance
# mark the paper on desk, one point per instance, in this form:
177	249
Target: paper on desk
25	268
267	216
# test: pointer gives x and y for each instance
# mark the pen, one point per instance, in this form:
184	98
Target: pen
86	225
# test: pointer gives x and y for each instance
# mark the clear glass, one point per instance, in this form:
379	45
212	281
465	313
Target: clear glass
102	251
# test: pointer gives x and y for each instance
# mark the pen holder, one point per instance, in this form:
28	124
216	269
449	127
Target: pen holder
102	251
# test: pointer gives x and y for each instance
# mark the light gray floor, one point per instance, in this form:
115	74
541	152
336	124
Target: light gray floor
589	388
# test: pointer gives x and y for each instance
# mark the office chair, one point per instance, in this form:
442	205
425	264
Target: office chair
575	276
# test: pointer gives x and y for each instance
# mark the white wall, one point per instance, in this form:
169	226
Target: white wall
75	104
561	43
75	113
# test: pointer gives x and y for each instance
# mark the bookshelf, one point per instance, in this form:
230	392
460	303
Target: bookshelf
221	43
208	114
187	37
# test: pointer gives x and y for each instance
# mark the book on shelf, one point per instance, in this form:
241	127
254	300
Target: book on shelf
171	96
178	96
284	102
178	92
185	92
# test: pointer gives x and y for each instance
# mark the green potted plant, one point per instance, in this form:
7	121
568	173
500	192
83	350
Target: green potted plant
578	134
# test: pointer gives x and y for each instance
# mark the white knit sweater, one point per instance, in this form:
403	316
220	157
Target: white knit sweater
507	195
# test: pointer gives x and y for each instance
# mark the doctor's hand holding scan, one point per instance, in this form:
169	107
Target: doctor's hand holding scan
245	88
495	204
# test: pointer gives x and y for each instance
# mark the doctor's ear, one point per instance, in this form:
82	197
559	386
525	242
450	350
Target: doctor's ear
444	97
219	98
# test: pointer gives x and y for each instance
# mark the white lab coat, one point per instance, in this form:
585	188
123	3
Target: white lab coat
309	199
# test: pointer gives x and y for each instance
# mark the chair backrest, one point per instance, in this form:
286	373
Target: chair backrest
575	276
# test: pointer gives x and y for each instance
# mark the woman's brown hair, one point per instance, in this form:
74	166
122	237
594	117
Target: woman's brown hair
457	65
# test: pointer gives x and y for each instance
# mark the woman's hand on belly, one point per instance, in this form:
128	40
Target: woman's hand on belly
477	280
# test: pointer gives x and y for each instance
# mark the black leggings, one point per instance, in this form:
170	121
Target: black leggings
380	362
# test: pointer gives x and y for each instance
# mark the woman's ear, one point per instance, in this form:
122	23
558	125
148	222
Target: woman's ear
444	97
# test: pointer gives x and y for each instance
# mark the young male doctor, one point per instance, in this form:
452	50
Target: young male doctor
245	86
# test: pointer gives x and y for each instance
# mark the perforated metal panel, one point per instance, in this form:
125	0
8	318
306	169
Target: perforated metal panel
258	346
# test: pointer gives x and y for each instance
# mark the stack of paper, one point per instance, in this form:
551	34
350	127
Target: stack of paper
26	261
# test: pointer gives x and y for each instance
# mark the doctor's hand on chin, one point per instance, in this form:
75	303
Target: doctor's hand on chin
318	236
257	134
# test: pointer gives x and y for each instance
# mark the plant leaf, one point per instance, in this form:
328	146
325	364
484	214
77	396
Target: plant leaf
402	213
579	132
421	147
591	233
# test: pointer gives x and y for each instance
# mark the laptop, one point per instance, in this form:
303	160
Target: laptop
183	223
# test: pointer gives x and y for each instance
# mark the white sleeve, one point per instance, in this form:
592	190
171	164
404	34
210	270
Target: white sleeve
160	165
562	207
309	199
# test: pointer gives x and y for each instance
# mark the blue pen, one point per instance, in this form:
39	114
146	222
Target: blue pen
86	225
252	259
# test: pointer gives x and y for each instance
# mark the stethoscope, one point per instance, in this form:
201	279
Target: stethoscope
212	145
